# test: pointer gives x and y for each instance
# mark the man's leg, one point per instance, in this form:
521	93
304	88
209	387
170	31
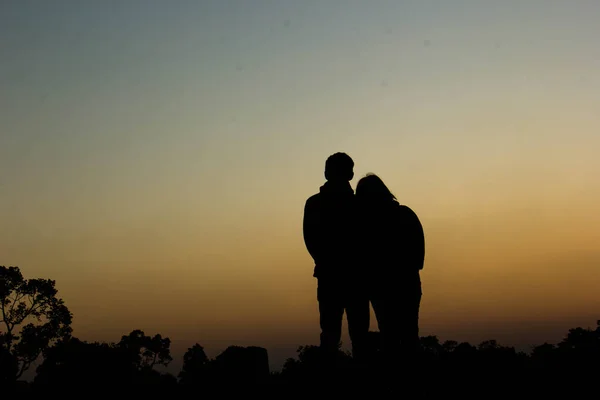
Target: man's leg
331	313
358	314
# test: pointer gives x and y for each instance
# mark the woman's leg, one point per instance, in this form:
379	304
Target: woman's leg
384	309
409	307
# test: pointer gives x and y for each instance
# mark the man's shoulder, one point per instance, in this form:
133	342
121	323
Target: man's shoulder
313	202
315	198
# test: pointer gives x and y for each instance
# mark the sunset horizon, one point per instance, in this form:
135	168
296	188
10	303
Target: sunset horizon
155	159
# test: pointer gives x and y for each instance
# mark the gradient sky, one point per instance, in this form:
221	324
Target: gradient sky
155	157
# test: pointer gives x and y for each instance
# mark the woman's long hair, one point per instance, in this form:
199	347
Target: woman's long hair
372	189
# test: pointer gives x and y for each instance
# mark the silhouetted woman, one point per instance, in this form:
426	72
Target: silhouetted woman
392	254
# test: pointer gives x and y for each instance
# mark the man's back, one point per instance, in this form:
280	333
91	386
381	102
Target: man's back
327	229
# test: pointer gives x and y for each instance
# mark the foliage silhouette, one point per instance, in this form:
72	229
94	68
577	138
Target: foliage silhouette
132	360
444	368
147	351
195	366
241	365
32	318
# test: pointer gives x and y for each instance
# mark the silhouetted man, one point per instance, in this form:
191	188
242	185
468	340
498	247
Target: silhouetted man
330	239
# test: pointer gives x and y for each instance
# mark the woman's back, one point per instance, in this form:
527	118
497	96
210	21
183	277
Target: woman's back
380	236
392	252
391	240
391	236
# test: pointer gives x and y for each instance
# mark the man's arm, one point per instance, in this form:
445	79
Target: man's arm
311	230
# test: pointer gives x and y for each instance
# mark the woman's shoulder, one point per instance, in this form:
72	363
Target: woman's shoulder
396	210
407	216
404	208
404	212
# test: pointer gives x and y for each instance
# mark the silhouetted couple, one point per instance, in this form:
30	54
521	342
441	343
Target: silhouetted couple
367	248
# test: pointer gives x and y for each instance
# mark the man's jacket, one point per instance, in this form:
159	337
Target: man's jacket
328	230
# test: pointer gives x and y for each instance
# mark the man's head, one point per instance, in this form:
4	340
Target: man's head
339	167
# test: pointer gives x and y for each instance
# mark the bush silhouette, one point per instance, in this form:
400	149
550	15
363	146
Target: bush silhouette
569	367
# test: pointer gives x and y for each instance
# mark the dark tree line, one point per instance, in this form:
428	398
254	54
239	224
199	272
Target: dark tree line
35	325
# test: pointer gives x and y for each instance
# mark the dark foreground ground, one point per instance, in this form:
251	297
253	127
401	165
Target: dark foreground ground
435	382
570	369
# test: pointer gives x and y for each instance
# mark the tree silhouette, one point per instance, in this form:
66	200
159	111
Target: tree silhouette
449	346
431	345
129	361
32	318
146	351
35	321
73	360
315	366
544	355
195	363
241	364
580	349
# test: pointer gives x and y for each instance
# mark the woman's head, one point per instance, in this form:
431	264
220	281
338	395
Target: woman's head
372	188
